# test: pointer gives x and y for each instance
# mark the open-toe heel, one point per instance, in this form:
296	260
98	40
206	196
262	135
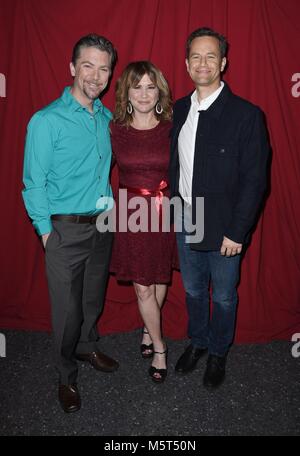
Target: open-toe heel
158	375
146	350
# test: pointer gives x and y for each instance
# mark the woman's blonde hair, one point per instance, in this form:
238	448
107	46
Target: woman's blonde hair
130	77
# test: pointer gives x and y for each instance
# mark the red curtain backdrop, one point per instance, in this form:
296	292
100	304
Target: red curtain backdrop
36	39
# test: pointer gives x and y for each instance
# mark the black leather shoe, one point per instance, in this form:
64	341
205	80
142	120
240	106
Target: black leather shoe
99	361
188	360
158	375
146	350
69	399
215	371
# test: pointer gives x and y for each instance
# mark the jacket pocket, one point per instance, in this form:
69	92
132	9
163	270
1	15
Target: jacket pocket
221	167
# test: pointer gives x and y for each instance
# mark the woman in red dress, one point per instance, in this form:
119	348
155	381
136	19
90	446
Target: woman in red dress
140	141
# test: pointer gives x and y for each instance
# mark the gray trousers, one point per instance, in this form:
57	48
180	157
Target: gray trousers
77	264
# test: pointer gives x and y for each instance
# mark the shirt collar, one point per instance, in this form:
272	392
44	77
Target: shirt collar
204	104
74	105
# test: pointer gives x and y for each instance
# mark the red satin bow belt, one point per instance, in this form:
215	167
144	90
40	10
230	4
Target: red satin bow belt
158	193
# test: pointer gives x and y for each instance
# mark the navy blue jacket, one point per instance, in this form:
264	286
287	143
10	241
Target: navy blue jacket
230	166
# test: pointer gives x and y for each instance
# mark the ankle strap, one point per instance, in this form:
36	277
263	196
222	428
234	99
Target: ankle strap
161	353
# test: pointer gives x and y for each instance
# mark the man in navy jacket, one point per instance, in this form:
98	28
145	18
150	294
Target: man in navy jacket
219	153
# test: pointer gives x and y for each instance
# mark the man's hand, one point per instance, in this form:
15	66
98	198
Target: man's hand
45	238
230	248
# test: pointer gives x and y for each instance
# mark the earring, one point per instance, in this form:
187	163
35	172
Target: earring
129	107
158	108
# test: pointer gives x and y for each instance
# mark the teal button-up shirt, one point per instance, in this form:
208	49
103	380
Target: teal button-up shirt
67	161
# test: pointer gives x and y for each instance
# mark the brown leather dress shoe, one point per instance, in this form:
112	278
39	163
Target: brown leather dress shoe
69	398
99	361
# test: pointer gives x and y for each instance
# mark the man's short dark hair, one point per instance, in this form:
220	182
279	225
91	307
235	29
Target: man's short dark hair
96	41
205	31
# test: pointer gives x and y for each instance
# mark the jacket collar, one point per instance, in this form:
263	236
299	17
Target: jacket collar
216	108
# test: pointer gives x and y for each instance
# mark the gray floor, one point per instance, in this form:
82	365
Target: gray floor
261	395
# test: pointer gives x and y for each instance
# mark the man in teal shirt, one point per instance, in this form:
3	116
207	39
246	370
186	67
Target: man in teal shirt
66	177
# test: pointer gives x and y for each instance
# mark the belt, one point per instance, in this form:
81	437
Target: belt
158	193
75	218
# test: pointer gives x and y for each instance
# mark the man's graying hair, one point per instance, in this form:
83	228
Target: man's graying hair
205	31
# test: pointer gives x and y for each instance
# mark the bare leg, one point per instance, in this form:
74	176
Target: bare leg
150	312
160	293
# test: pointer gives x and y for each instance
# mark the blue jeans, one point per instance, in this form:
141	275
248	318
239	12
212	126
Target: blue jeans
198	268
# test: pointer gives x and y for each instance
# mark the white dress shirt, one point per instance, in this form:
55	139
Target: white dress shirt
186	142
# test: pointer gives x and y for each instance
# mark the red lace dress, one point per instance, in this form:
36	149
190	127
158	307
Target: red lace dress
142	157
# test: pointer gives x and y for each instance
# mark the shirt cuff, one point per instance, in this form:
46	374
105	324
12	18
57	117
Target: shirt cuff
43	227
